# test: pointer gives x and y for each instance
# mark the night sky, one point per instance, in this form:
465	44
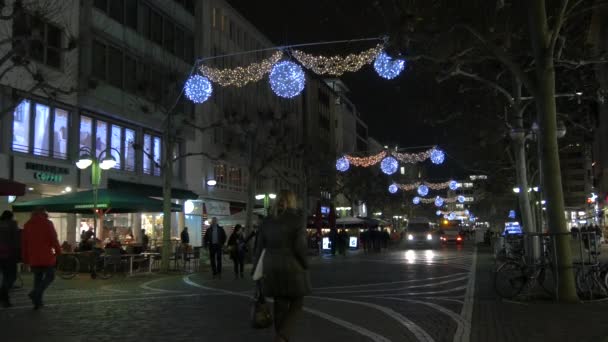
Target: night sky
396	111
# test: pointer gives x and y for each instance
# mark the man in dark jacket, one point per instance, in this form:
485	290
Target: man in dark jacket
185	236
39	250
9	247
215	238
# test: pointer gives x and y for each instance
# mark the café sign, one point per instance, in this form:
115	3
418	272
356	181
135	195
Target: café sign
47	173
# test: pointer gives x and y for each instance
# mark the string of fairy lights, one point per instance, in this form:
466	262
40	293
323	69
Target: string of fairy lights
285	69
424	187
389	160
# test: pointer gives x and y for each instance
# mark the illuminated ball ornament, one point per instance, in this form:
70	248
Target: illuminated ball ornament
437	156
466	212
451	216
342	164
438	213
198	88
438	201
453	185
287	79
388	67
389	165
392	188
423	190
416	200
460	199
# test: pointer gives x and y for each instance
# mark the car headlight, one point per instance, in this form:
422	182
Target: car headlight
410	237
429	237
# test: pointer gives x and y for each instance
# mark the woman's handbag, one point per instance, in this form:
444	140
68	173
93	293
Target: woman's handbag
261	317
258	273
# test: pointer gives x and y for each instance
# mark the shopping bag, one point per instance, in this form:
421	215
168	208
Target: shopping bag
261	317
258	273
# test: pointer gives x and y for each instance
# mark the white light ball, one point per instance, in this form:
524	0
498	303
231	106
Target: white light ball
287	79
198	88
388	67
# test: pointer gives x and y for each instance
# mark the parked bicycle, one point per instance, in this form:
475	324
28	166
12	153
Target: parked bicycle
105	265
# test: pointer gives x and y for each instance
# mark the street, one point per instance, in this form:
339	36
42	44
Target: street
401	295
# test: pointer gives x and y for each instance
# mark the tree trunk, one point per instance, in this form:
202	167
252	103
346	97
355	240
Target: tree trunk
167	174
546	107
250	189
519	149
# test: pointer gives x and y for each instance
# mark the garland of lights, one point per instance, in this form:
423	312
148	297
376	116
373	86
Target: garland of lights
390	161
240	76
452	185
445	200
337	65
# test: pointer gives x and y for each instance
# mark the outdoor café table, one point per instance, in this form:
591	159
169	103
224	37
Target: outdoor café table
131	257
150	255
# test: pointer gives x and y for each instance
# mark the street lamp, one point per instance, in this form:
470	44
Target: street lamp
266	198
87	158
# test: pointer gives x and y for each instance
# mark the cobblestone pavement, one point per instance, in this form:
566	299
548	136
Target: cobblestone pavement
404	295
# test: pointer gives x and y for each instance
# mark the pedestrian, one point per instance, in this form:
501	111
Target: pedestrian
40	248
285	264
342	242
237	246
9	255
215	237
185	236
145	240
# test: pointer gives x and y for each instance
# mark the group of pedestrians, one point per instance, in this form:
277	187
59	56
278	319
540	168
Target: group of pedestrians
36	246
375	240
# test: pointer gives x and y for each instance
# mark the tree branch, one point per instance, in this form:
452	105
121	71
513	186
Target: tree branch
559	23
458	72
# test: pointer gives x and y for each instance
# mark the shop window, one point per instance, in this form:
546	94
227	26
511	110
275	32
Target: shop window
147	154
42	122
157	156
101	136
129	150
60	134
21	127
86	132
115	144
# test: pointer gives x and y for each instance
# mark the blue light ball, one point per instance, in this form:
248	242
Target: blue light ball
287	79
451	216
437	156
461	199
438	201
438	212
389	165
466	212
198	88
423	190
453	185
388	67
416	200
342	164
392	188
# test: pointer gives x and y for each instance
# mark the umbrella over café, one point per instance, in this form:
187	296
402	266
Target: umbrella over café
107	200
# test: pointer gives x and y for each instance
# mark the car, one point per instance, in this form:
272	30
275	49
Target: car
451	236
420	232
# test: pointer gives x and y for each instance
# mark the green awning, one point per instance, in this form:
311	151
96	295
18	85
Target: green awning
113	201
150	190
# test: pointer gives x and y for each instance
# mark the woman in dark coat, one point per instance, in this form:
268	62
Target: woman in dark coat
9	254
285	264
236	242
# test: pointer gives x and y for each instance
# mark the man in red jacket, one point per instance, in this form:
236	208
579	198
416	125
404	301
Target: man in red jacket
39	246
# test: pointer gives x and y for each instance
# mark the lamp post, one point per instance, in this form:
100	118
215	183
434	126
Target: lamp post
87	158
266	198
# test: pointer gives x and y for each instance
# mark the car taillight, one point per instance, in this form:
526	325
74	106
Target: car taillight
459	239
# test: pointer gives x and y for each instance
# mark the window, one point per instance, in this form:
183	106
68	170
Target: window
229	177
129	150
168	38
46	50
40	129
117	10
86	132
115	144
130	82
114	67
42	122
156	28
99	60
179	42
144	20
60	134
101	137
147	154
157	156
131	14
189	48
21	127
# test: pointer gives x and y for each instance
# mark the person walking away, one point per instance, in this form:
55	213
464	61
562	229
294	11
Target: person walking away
9	249
40	248
185	237
237	246
145	240
214	241
285	264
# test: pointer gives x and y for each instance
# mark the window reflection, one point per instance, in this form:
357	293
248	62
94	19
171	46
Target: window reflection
41	130
21	127
86	132
129	151
101	137
60	134
115	143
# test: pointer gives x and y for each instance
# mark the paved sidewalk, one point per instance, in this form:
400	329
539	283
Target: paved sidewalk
498	320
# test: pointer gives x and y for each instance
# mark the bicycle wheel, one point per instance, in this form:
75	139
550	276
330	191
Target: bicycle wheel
589	285
68	266
509	280
546	279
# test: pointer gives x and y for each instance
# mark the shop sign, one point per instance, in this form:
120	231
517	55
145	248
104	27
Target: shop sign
218	208
47	173
91	206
